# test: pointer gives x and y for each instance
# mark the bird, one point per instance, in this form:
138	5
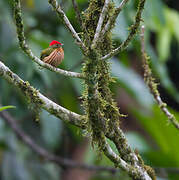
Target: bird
54	54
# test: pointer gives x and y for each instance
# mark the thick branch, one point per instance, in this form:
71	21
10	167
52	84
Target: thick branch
134	171
100	23
27	50
127	154
133	31
63	162
67	23
113	18
117	136
39	99
152	85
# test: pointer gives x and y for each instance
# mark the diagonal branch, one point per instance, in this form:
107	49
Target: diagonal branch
27	50
63	162
133	31
39	99
126	153
113	18
100	23
149	80
133	171
67	23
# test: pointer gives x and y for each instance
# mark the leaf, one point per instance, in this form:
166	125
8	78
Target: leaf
156	19
6	107
120	30
132	83
164	134
136	141
163	43
172	17
51	129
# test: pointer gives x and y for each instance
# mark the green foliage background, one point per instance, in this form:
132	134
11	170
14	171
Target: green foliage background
146	127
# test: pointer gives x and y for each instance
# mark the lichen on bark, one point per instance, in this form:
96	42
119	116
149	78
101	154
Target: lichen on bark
101	110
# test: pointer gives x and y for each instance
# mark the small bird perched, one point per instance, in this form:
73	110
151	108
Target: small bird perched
54	54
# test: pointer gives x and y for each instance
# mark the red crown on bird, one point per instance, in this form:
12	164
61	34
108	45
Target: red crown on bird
55	42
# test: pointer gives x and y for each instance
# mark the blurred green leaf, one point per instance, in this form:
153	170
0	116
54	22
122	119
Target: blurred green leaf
51	129
154	14
6	107
163	43
164	134
165	33
172	18
136	141
90	155
120	30
132	83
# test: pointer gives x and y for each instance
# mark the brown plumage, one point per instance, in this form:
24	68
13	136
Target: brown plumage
54	54
55	58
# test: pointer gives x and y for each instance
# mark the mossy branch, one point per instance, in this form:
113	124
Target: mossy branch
135	171
39	99
100	23
27	50
41	151
113	18
101	111
102	115
133	32
67	23
150	81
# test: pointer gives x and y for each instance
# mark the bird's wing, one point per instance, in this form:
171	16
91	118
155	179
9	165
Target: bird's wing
46	52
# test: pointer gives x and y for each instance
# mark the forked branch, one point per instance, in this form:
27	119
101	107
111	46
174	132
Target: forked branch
63	162
113	18
133	31
100	23
27	50
133	170
39	99
67	23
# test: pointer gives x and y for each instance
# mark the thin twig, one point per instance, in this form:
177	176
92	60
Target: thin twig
100	23
67	23
27	50
77	11
133	31
39	99
113	18
152	85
